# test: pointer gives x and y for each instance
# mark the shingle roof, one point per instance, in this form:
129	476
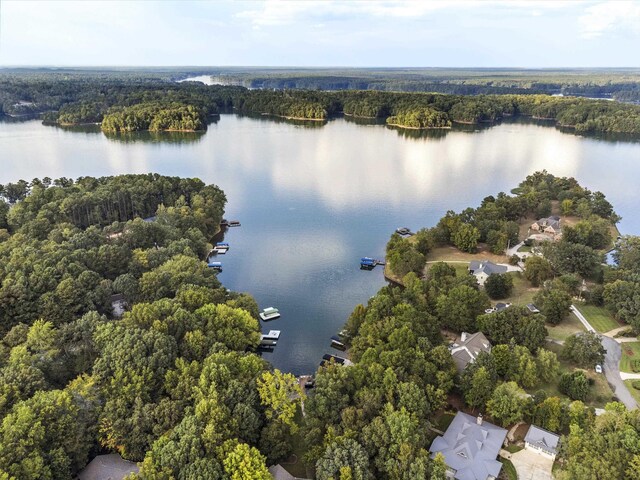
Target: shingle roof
470	449
465	352
542	438
110	466
553	222
487	267
279	473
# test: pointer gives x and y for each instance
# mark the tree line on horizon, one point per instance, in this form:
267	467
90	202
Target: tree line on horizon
126	104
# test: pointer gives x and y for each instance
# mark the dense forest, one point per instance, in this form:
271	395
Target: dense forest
374	419
173	382
125	103
620	84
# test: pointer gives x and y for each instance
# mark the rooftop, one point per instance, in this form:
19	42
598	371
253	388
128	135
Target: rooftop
108	467
542	438
470	448
485	266
465	350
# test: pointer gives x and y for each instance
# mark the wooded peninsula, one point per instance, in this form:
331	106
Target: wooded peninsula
173	382
126	102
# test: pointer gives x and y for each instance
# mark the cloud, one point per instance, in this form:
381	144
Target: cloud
287	12
609	16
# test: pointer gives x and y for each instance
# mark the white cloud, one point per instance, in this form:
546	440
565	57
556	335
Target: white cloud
287	12
609	16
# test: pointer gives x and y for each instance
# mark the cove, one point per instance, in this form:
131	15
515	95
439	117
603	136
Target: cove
313	199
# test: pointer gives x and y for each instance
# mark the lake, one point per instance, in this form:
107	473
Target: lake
314	199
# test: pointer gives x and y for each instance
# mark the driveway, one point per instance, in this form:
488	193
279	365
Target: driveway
612	372
611	365
532	466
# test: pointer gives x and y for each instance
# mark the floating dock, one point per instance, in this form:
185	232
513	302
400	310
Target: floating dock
404	231
269	314
326	358
269	339
229	223
368	263
221	248
336	342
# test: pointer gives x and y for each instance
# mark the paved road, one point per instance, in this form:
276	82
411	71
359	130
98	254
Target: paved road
612	372
611	364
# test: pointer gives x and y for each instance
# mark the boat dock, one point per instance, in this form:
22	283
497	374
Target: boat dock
404	231
229	223
221	248
368	263
269	314
215	265
336	342
269	339
327	358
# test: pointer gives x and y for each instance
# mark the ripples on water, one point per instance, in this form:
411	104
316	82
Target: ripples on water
313	200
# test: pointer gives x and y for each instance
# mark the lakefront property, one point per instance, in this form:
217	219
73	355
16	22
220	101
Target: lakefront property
413	270
470	447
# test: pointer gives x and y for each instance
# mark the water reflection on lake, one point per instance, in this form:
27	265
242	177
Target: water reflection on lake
314	199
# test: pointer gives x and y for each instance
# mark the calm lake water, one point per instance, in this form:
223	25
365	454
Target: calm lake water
314	199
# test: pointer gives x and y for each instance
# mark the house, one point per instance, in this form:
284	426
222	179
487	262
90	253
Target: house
108	467
279	473
481	270
466	349
118	305
470	447
541	441
550	225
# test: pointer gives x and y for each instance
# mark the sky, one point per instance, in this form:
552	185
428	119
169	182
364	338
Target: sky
454	33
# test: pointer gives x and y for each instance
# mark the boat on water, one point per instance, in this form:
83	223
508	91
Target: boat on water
403	231
215	265
269	313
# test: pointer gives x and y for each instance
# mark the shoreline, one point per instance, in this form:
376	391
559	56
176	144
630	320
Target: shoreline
397	125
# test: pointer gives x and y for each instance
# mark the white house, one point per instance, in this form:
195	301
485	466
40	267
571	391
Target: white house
542	442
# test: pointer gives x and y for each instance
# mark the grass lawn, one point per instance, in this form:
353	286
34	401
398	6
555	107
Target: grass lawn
630	351
513	448
524	249
599	393
450	254
599	318
523	292
635	393
508	471
294	464
565	328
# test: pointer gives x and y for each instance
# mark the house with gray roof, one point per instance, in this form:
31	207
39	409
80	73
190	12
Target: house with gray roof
279	473
542	441
108	467
550	225
482	269
467	347
470	447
